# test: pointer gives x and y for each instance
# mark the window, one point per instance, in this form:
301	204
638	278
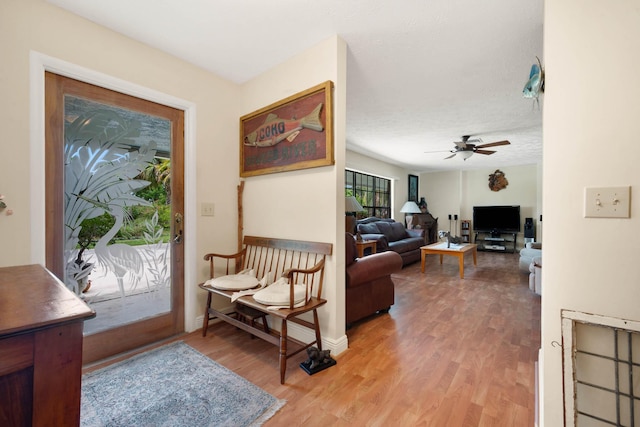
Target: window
373	193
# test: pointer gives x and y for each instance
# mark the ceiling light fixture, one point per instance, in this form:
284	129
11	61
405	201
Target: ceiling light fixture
465	154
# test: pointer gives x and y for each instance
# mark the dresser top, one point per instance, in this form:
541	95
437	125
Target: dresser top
31	297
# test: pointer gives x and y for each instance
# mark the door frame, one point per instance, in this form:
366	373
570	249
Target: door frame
38	64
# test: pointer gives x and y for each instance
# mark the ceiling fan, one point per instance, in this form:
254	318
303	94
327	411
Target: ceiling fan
467	147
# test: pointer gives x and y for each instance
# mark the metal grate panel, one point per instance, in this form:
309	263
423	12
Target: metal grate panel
602	370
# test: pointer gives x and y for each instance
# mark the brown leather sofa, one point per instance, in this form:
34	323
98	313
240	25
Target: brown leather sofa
392	236
369	288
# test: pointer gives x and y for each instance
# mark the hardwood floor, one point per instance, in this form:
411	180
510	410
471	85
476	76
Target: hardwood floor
450	352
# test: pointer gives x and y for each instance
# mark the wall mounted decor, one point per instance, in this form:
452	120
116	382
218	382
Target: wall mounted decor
497	180
413	188
291	134
535	85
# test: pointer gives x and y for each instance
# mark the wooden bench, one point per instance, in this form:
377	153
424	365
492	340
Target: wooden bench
300	262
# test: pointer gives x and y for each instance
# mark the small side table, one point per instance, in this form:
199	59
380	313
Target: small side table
363	244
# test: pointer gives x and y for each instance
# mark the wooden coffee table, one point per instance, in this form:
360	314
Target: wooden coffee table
455	250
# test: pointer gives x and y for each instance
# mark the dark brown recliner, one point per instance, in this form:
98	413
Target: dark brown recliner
369	285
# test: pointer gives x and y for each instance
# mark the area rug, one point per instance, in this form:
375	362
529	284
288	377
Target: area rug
173	385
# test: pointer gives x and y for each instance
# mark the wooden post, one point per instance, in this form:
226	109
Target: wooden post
240	221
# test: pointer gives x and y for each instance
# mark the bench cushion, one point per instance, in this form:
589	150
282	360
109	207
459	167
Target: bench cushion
278	294
235	282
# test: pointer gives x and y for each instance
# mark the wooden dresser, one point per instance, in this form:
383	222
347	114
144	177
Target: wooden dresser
40	348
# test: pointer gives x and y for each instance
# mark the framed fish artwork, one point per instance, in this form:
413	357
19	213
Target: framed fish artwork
291	134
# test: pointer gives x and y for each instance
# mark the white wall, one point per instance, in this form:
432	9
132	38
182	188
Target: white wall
34	25
441	191
591	128
304	205
456	192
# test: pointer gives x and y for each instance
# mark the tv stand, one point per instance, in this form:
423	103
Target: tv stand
496	241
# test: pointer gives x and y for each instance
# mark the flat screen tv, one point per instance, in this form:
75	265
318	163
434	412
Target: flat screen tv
496	219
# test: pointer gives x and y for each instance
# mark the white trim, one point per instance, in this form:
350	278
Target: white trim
36	141
305	334
336	346
540	394
38	64
371	173
597	319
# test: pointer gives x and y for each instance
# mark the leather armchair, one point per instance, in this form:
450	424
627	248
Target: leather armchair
369	288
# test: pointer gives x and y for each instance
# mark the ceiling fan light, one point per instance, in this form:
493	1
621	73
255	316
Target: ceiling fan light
465	154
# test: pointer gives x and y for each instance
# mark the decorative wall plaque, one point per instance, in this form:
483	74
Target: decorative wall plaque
497	180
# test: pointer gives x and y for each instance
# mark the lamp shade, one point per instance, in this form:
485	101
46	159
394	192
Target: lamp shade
352	205
410	207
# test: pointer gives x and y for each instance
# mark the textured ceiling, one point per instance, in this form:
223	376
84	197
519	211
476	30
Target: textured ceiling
420	73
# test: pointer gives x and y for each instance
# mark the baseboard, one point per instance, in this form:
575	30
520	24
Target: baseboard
336	346
303	334
536	420
538	389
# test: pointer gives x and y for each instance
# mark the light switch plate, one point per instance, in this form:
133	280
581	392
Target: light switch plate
207	209
607	202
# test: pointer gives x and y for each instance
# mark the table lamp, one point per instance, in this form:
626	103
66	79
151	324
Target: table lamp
410	207
351	206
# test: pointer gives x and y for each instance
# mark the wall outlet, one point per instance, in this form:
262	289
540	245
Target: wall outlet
207	209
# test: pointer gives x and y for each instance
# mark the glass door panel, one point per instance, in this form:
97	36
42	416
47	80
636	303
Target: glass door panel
117	213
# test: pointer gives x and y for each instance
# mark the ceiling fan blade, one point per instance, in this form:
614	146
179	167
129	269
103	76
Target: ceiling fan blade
484	151
448	157
493	144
